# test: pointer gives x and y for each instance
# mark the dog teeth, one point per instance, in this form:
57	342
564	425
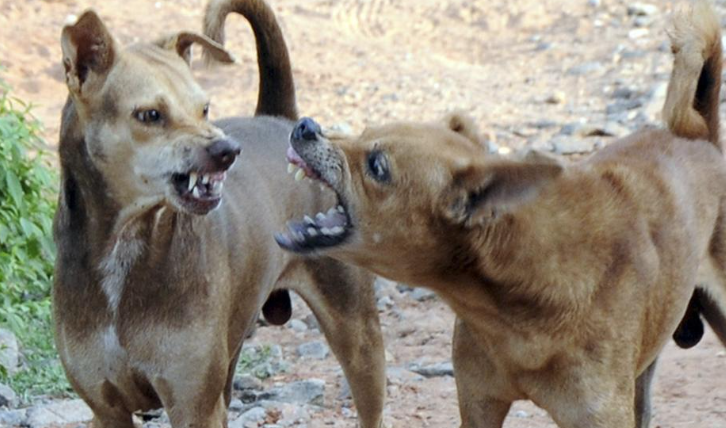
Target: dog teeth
192	180
195	192
299	175
325	231
341	209
291	168
205	179
217	187
331	211
320	216
309	220
312	232
337	230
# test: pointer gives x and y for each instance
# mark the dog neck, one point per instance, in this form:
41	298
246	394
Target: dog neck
104	239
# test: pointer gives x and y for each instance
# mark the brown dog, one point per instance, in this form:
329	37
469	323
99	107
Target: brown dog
164	249
567	279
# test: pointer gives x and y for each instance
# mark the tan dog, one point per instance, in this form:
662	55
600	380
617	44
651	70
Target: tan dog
567	279
165	254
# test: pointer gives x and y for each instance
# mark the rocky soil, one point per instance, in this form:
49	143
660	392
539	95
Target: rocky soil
565	76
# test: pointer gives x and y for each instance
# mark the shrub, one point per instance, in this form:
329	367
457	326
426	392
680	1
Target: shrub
27	187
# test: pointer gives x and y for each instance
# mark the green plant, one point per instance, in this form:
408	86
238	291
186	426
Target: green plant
27	187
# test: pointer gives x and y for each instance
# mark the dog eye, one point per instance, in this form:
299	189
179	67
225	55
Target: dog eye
378	167
148	116
205	112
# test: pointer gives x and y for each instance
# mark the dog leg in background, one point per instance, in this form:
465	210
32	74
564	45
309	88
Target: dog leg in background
476	407
643	389
343	301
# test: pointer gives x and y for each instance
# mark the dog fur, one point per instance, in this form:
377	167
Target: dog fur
157	282
567	279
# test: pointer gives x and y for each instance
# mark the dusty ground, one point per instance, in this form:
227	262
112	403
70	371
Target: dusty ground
526	71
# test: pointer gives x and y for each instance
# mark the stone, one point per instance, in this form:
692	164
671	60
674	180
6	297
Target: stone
8	398
236	405
247	382
384	303
252	418
9	351
569	146
433	370
642	9
311	322
400	376
59	413
315	350
262	361
655	99
557	97
309	391
422	294
586	68
13	418
298	326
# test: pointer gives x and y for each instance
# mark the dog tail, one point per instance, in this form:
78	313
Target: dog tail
277	90
691	106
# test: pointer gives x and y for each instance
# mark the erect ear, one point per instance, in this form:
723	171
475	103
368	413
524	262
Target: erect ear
89	52
182	43
462	124
482	192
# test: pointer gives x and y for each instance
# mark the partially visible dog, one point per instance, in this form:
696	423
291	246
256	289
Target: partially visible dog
165	254
567	279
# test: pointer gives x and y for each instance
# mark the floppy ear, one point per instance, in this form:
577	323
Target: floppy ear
481	193
182	43
89	52
462	124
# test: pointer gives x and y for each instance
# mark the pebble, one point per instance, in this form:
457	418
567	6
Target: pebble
384	303
422	294
586	68
316	350
642	9
13	418
570	146
247	382
433	370
250	419
298	326
400	376
637	33
310	391
557	97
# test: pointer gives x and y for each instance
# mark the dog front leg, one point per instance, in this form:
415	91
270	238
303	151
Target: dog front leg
477	405
342	299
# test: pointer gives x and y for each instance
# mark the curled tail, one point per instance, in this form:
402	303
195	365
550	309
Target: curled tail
277	90
691	107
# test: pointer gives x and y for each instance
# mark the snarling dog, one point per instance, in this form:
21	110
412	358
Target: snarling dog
165	255
567	280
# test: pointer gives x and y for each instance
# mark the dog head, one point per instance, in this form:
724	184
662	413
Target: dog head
143	117
407	193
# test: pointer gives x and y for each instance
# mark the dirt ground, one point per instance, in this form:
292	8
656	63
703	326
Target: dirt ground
524	70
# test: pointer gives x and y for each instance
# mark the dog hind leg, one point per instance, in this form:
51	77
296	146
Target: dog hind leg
342	299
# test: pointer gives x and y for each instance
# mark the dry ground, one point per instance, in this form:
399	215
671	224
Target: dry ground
363	62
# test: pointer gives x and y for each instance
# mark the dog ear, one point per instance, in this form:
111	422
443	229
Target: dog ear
464	125
182	43
480	193
89	52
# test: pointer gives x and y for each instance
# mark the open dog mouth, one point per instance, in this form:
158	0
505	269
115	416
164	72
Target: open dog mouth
199	192
319	231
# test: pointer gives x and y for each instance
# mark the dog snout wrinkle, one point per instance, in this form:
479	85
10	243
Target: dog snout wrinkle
224	152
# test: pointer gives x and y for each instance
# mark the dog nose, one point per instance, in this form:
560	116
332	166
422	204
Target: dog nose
224	152
306	129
